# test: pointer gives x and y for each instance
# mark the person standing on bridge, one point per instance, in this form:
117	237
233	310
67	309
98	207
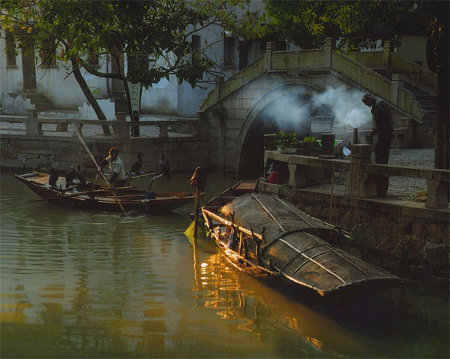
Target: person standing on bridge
117	175
383	127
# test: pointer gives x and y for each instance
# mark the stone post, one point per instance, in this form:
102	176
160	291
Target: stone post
297	175
163	129
270	48
79	127
329	47
360	183
437	196
120	127
396	84
386	53
62	127
32	125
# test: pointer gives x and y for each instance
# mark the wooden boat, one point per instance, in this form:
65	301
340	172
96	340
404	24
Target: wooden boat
101	197
265	236
142	181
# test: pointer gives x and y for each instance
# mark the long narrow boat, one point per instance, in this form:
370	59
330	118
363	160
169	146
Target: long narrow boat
265	236
98	197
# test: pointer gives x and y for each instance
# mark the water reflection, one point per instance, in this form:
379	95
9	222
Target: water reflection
262	313
88	284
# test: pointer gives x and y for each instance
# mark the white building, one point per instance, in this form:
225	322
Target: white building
26	85
23	81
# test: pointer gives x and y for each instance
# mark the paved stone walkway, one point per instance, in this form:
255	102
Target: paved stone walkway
402	188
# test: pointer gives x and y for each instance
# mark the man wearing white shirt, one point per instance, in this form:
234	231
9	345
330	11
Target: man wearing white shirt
117	173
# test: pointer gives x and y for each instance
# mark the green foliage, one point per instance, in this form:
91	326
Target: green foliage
357	24
309	139
155	33
285	139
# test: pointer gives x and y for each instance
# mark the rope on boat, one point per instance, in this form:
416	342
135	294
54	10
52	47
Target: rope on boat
312	260
298	214
308	234
268	212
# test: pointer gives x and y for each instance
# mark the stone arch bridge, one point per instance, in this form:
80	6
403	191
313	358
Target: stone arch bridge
236	109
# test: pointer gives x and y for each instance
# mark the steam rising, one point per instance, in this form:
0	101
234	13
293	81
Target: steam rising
346	105
289	111
295	110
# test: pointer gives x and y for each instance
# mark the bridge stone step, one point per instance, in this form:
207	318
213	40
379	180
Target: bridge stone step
40	102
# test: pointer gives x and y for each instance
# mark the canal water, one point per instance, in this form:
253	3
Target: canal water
88	284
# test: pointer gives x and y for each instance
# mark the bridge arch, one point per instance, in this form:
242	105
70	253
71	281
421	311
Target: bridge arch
248	152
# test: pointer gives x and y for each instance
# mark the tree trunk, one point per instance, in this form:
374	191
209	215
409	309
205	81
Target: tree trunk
437	55
89	96
442	126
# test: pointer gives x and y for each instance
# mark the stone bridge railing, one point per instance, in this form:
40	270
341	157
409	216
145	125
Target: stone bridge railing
33	126
356	68
361	174
388	60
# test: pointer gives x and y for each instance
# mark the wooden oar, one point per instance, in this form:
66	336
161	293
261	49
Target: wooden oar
144	175
70	195
98	167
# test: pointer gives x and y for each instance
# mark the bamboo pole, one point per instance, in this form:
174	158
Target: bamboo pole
144	175
70	195
98	167
197	197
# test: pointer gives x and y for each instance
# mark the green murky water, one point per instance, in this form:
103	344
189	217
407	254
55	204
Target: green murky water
87	284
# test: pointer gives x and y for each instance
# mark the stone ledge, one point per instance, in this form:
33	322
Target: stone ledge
385	205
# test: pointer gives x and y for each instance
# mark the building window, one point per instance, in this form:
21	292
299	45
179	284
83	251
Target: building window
10	50
228	51
137	62
195	46
48	52
243	54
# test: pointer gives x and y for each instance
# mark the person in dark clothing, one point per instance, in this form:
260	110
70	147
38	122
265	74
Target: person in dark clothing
382	119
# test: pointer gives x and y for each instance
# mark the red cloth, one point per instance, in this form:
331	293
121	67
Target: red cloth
274	177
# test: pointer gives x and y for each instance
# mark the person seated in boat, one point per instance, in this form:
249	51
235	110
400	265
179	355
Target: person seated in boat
136	166
231	237
117	175
75	173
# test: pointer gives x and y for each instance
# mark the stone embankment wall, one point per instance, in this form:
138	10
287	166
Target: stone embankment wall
407	240
183	153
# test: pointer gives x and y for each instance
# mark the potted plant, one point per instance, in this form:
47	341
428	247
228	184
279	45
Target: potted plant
286	142
307	144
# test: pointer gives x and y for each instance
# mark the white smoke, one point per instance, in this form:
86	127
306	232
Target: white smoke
346	105
294	109
289	111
